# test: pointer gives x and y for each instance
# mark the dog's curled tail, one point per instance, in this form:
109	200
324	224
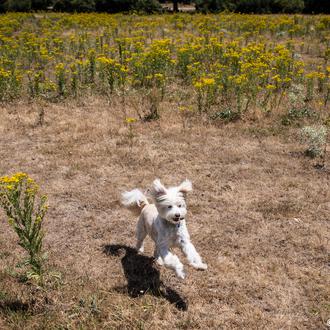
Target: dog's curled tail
134	200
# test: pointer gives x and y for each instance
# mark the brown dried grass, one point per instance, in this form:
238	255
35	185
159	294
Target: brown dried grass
259	215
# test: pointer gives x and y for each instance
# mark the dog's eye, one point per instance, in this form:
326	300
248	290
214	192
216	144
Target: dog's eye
169	207
180	205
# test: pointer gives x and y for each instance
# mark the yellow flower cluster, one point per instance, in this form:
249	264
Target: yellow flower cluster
224	56
12	183
204	82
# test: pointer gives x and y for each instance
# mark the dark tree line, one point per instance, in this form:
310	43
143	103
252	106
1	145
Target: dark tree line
110	6
265	6
149	6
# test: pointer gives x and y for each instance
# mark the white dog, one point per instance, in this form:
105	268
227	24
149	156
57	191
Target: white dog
165	223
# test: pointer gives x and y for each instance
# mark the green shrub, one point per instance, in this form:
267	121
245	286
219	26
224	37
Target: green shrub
298	109
215	5
251	6
315	137
147	6
15	5
116	6
74	5
227	115
317	6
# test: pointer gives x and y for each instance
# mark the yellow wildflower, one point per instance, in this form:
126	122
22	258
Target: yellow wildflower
130	120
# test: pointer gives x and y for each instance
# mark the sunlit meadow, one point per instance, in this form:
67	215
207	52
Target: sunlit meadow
225	65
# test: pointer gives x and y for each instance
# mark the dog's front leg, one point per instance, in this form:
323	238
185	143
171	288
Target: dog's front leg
188	249
172	261
192	255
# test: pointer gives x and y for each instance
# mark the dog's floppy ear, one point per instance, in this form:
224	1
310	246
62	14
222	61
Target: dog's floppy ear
185	186
157	189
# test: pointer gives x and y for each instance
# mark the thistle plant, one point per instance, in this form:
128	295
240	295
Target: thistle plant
315	137
18	198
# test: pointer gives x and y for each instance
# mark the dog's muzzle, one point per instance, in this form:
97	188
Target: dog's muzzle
177	219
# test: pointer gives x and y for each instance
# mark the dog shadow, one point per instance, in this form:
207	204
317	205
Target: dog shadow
142	277
13	306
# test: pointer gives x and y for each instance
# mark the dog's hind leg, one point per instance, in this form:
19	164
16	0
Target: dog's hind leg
158	258
141	234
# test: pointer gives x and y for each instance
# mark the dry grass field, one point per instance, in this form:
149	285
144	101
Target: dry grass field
258	214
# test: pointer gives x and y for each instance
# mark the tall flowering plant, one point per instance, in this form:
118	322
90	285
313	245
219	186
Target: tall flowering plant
25	212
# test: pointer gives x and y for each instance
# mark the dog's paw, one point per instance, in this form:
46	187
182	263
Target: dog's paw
140	250
199	266
181	274
159	261
202	266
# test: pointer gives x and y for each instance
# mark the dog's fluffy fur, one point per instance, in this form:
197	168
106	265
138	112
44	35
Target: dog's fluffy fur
164	221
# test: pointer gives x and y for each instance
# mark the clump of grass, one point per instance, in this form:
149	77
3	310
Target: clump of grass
185	112
154	100
25	212
227	115
130	121
315	137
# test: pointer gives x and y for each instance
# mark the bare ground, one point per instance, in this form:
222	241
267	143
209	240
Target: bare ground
259	215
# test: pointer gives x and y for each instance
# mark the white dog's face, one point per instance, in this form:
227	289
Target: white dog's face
170	202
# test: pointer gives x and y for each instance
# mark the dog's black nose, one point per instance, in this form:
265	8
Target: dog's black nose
177	215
